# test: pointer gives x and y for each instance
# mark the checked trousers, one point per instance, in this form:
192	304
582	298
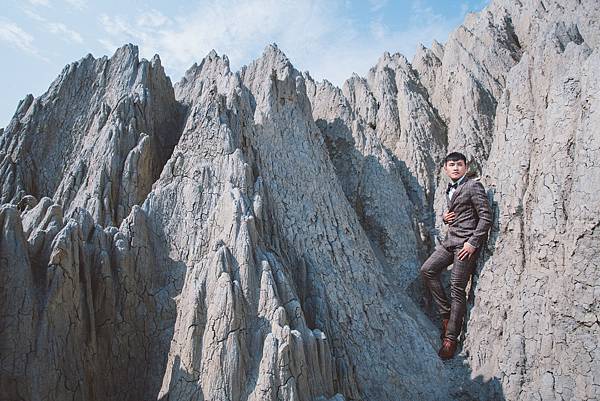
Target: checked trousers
455	309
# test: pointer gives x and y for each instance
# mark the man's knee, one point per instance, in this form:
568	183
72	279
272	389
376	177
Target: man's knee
439	260
458	291
427	270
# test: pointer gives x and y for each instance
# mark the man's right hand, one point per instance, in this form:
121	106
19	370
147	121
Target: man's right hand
448	217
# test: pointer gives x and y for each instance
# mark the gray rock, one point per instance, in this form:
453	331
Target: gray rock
256	235
260	228
97	139
540	327
17	305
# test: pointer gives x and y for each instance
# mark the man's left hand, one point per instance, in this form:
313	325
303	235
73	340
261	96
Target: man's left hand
467	251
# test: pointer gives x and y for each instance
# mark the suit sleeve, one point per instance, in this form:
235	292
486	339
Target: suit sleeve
482	207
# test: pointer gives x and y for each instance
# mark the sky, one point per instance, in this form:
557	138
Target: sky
329	38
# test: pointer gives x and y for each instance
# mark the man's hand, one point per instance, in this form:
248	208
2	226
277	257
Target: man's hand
448	217
466	252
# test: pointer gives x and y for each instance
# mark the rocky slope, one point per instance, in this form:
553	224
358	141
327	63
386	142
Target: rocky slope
257	235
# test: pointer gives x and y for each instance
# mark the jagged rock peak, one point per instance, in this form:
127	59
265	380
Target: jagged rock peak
272	59
211	61
396	58
126	53
276	251
201	76
114	136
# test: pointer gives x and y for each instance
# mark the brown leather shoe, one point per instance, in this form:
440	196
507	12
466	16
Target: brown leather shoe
448	348
444	328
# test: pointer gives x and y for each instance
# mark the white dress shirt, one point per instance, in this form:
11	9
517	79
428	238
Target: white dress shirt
454	189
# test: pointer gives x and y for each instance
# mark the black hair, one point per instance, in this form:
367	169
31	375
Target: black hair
454	157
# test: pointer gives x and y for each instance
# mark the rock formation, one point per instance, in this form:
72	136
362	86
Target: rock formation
97	139
256	235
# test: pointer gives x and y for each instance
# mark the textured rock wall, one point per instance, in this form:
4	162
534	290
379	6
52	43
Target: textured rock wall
535	319
256	235
97	139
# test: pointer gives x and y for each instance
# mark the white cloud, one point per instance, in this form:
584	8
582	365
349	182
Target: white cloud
39	2
78	4
152	19
15	36
422	14
316	35
379	29
118	26
240	29
377	5
57	28
69	34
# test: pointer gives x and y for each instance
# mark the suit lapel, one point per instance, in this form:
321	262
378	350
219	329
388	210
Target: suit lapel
457	192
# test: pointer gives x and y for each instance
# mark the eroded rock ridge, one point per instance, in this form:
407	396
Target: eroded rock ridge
257	235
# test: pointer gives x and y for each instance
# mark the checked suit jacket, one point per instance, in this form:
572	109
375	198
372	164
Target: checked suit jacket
473	215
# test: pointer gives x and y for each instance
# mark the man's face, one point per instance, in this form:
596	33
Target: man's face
455	169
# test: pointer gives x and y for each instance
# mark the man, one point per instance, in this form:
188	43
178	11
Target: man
469	218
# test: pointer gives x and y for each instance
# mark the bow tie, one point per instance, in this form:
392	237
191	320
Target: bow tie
450	186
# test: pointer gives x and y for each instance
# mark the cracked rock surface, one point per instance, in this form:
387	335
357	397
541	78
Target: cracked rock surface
97	139
256	235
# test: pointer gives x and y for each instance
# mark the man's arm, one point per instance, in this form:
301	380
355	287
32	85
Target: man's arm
482	207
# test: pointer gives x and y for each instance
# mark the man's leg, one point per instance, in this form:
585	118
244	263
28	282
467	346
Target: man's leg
461	273
430	271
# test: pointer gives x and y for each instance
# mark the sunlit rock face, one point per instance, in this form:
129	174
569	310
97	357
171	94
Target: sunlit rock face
97	139
257	235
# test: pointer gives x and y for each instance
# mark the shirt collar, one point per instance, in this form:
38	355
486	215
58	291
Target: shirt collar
459	180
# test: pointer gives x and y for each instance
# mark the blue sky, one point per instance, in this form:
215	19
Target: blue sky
330	38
